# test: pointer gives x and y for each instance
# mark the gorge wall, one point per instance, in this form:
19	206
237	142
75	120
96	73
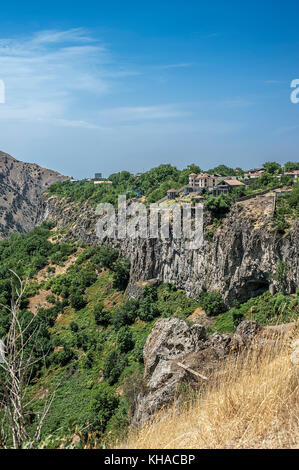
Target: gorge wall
238	260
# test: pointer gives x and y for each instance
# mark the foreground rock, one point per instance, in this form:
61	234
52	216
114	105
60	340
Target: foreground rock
175	353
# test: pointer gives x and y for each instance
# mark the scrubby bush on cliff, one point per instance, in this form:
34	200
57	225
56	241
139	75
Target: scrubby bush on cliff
106	256
126	314
211	302
148	309
281	276
114	364
62	357
101	316
102	406
219	205
121	273
125	339
77	301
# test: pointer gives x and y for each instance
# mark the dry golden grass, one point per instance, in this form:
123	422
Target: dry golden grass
252	402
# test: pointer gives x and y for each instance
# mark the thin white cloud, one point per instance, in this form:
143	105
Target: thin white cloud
50	73
60	78
140	113
175	66
236	103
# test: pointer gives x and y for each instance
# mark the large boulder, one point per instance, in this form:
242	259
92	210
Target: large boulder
170	340
176	352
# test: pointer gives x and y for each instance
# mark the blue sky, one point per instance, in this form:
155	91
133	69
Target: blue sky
112	85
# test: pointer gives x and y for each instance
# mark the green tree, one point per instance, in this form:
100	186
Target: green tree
113	366
77	301
222	170
125	314
281	276
272	167
219	205
103	404
212	302
102	317
107	256
291	166
121	273
125	339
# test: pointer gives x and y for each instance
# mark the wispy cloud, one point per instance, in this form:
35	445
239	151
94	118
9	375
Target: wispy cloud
179	65
48	74
58	76
61	77
140	113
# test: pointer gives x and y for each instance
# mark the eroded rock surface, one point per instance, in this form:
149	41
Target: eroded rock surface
173	343
238	261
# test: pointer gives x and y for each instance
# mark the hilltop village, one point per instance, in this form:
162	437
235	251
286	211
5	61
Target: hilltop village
203	183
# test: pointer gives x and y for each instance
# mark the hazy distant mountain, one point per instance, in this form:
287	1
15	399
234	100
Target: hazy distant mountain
20	187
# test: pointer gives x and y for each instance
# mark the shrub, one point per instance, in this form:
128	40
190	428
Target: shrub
125	339
62	357
51	298
126	314
74	326
121	274
211	302
88	360
102	406
113	366
107	256
219	205
281	276
237	316
101	316
148	309
85	341
77	301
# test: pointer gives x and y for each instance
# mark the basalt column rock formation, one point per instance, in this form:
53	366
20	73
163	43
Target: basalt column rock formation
238	260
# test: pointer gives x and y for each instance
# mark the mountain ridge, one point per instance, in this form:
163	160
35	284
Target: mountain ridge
21	185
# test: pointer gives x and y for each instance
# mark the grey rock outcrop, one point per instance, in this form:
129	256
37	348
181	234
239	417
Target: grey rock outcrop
170	340
171	344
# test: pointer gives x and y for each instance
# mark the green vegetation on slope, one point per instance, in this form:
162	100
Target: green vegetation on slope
90	338
265	309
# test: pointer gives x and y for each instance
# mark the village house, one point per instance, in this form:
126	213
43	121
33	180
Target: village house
254	173
293	174
227	186
201	182
172	194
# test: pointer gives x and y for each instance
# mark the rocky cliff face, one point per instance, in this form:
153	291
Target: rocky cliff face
238	260
21	185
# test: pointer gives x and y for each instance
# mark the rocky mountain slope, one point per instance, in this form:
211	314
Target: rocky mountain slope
21	185
238	260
